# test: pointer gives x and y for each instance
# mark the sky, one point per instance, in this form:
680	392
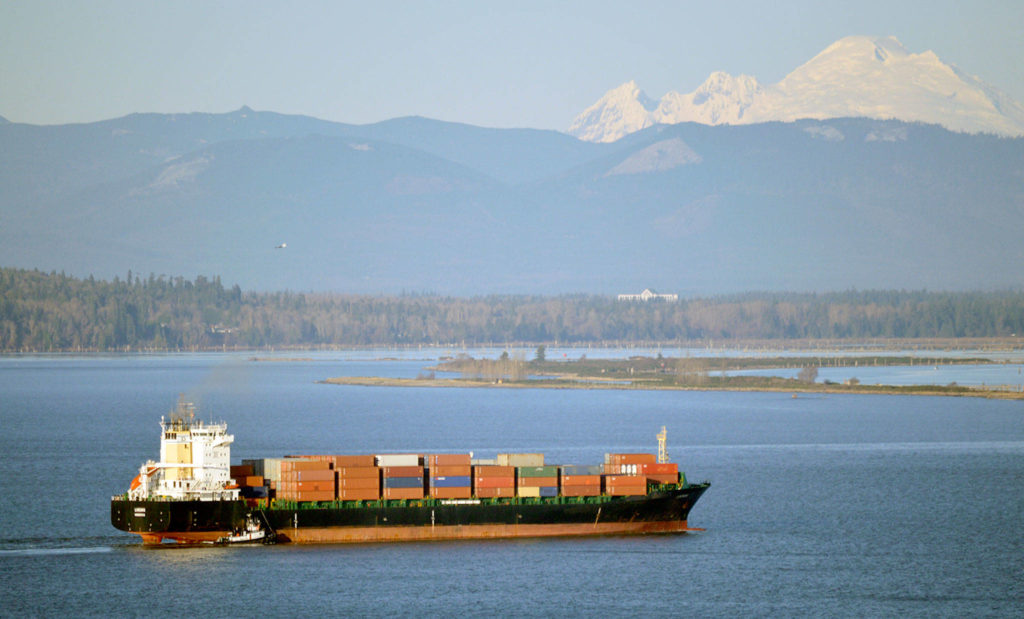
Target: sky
491	64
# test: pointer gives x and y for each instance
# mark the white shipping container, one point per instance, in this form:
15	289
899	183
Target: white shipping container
398	460
520	459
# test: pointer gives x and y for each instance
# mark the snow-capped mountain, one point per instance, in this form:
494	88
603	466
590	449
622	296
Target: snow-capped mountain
858	76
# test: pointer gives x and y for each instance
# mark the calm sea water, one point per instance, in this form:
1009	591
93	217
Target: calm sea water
833	505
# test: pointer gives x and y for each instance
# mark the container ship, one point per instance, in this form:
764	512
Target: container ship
194	495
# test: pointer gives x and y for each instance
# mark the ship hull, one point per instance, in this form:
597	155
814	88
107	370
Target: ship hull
663	511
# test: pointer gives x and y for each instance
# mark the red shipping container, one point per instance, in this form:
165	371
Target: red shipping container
626	490
402	471
491	493
581	480
358	494
625	480
586	490
365	472
489	470
661	468
321	475
403	493
451	470
450	493
632	459
354	461
241	470
494	482
449	460
358	482
537	482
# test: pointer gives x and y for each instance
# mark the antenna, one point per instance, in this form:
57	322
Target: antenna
662	447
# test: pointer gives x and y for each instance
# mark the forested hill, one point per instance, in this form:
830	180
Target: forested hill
54	312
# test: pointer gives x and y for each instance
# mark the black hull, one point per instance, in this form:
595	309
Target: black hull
201	521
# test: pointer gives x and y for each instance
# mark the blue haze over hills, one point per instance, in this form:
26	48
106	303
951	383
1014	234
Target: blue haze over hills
414	204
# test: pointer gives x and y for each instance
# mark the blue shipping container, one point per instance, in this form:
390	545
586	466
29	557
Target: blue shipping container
450	481
549	491
403	482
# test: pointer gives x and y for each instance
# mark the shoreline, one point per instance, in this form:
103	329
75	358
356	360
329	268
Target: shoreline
455	383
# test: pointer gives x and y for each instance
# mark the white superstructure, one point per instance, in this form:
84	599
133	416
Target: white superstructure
195	461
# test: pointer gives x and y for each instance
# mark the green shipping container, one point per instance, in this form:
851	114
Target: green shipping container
537	471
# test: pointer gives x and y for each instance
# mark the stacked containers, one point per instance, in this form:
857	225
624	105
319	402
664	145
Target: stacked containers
624	474
401	475
537	481
492	481
581	480
663	473
450	476
358	478
306	480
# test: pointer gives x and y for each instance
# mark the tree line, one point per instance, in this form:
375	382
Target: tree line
42	311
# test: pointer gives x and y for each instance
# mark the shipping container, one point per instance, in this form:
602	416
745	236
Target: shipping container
494	482
623	469
520	459
403	482
241	470
451	493
399	460
528	491
315	475
250	480
403	493
254	492
630	459
661	468
304	465
588	490
663	478
442	470
537	471
359	494
625	479
402	471
626	490
358	482
573	469
537	481
484	462
548	491
448	460
368	472
494	471
581	480
308	496
341	462
453	481
491	493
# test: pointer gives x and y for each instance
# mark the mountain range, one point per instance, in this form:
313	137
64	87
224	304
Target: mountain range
419	205
858	76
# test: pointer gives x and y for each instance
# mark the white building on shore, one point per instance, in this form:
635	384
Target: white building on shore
648	295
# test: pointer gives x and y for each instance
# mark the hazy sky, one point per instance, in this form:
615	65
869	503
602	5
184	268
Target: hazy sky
507	64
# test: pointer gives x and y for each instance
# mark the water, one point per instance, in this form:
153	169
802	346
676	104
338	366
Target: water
830	505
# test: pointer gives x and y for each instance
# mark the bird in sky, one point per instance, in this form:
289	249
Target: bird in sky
281	246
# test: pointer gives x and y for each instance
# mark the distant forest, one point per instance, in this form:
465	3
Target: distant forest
51	312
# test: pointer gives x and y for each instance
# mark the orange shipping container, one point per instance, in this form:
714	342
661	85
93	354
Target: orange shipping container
663	478
489	470
631	459
494	482
354	461
662	468
326	495
447	470
358	494
450	493
623	490
587	490
448	460
402	471
537	482
251	480
365	472
358	482
304	465
315	486
581	480
403	493
624	480
491	493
